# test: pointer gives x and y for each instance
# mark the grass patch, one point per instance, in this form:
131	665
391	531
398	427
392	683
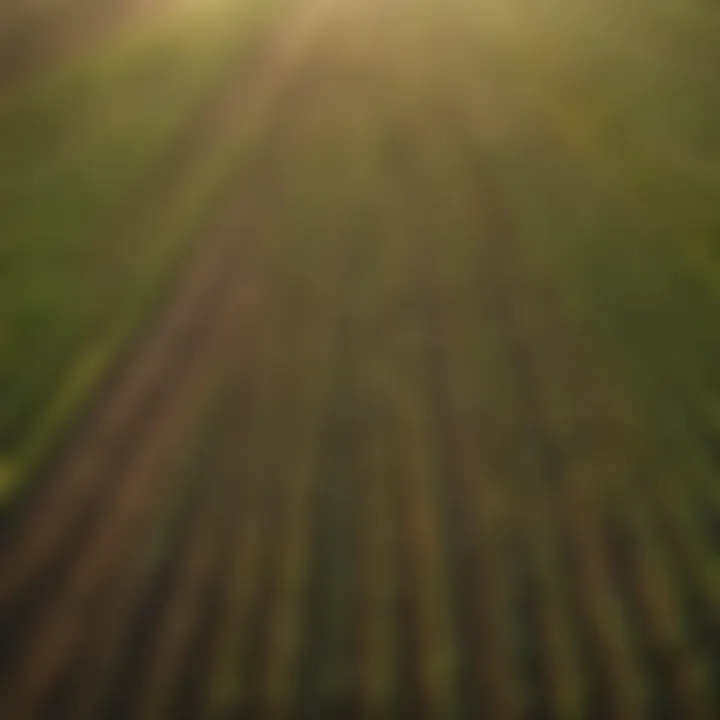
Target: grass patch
78	275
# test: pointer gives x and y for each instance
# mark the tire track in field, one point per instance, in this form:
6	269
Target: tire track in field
178	637
148	680
50	636
61	520
157	386
235	103
26	553
133	604
211	672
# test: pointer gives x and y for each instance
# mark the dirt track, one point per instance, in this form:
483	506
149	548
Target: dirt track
74	538
369	469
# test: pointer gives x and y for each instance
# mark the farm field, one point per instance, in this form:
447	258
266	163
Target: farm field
359	358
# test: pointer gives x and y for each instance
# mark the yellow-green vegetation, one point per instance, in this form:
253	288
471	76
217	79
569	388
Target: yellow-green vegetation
431	427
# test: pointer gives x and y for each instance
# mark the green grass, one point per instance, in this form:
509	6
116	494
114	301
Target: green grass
83	256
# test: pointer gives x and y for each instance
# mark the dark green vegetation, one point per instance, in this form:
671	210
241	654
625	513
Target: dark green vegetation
360	359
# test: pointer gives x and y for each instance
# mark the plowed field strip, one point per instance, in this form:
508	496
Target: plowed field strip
139	428
139	481
39	527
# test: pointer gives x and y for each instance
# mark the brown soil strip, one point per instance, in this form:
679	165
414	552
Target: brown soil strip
40	529
47	643
87	481
138	594
135	434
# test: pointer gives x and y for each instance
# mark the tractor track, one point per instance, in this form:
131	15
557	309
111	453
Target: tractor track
114	423
78	527
162	432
